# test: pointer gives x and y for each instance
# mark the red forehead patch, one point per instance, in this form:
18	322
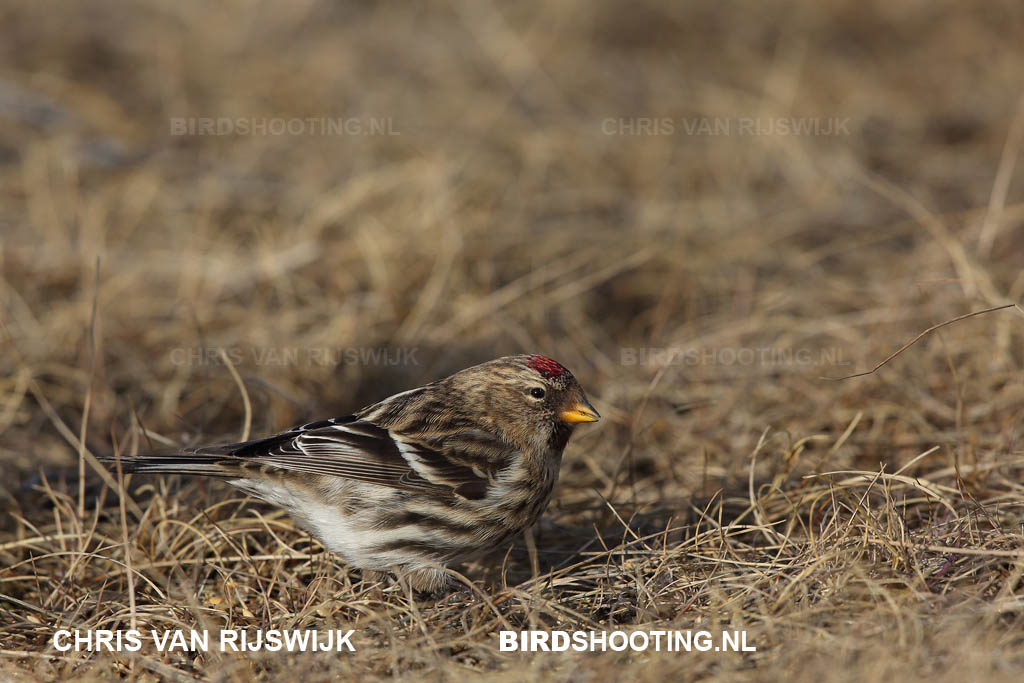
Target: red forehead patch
546	367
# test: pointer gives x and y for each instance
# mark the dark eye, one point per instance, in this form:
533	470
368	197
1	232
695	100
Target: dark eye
537	392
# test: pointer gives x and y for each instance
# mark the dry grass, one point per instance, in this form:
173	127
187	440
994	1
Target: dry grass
869	529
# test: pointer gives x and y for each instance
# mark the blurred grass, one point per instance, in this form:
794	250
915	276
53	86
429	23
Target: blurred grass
503	217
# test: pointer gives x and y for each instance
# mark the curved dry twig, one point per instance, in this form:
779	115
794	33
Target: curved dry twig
918	338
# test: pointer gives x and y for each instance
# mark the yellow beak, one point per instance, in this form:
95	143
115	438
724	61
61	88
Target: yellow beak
580	412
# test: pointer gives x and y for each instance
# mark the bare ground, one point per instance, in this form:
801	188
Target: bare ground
606	184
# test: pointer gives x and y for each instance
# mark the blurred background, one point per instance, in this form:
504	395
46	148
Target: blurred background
701	208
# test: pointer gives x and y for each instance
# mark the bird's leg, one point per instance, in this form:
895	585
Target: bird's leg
374	576
427	579
435	585
424	583
376	584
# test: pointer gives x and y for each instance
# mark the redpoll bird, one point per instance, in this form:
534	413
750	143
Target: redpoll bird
422	479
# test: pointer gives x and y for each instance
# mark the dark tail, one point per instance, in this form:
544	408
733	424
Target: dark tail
225	460
203	464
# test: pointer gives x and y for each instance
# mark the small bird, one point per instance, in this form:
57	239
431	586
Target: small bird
424	478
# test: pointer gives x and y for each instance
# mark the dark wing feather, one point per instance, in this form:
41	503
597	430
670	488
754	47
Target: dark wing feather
341	447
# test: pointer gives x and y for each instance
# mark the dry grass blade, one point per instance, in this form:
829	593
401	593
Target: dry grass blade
303	209
922	335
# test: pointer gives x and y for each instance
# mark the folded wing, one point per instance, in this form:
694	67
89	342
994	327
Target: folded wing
346	447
